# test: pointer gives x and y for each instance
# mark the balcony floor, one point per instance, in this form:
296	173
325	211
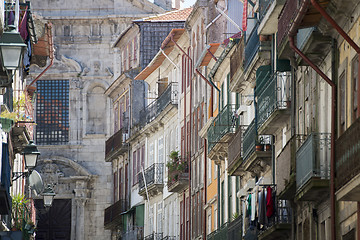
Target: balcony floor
257	162
268	24
276	120
350	191
153	190
314	189
280	231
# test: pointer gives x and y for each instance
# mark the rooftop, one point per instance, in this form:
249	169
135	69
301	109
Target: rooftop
177	15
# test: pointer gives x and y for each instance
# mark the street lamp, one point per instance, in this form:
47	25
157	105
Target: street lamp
11	47
31	154
48	195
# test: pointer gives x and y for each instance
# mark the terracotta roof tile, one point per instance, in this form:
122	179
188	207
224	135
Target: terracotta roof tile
177	15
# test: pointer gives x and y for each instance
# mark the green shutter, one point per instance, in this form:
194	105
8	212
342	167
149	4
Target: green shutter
222	97
229	199
222	204
139	215
228	88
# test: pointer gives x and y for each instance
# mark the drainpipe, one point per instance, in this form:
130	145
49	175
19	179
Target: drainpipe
333	117
185	123
205	189
51	56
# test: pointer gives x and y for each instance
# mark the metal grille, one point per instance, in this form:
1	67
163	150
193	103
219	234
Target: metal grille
153	175
52	112
264	7
313	158
251	47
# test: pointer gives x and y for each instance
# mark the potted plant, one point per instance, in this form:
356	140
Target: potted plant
20	216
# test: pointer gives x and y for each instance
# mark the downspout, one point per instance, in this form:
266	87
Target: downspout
205	187
185	123
333	116
51	55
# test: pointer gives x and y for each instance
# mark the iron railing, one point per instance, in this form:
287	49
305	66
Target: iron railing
224	123
137	233
115	143
313	158
249	140
178	172
273	93
169	96
154	236
112	213
252	46
219	234
348	154
235	149
286	18
235	229
283	215
169	238
303	36
153	175
264	6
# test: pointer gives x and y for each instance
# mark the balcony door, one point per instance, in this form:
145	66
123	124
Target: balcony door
55	223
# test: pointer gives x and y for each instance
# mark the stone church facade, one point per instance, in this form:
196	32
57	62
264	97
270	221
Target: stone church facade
74	110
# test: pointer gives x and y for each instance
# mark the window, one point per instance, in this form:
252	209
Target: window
229	198
222	201
52	112
342	99
161	150
151	154
354	78
67	30
134	162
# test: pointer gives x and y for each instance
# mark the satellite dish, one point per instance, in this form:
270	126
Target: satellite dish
36	182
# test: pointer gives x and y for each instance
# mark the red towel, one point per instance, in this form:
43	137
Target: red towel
269	203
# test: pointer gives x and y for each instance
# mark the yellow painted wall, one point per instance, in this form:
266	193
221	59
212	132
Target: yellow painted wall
346	51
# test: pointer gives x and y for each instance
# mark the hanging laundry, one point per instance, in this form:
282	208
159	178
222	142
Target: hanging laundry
253	206
269	202
249	205
23	29
262	208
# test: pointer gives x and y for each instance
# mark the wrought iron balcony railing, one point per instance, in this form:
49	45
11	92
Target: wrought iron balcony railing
115	144
348	154
153	175
235	229
137	233
169	96
252	46
154	236
112	213
235	149
219	234
224	123
264	7
286	18
313	159
178	175
273	92
283	215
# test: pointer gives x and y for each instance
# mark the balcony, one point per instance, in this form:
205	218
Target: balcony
178	176
237	84
347	164
169	238
5	178
112	216
137	233
154	176
235	229
269	11
279	228
219	234
256	53
313	44
23	128
235	152
313	168
169	98
220	132
287	16
274	101
257	151
286	164
154	236
115	146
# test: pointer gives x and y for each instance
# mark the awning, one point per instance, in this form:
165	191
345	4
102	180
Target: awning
167	46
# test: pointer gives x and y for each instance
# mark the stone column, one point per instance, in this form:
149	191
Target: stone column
80	218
